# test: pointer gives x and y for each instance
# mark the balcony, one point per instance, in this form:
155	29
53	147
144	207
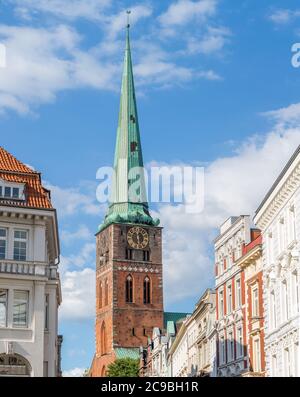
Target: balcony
23	268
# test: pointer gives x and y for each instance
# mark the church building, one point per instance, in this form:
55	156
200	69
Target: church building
129	285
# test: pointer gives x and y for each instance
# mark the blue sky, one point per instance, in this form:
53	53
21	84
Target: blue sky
215	87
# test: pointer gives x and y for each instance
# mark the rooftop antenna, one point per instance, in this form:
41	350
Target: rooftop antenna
128	12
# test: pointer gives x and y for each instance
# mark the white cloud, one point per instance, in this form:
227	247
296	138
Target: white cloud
74	373
283	16
71	201
86	9
182	11
85	256
155	68
82	233
47	56
78	294
213	41
234	185
41	62
289	116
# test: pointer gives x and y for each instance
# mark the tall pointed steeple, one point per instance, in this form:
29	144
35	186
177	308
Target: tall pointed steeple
128	194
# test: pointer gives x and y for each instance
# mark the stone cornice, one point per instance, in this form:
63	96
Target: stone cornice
278	198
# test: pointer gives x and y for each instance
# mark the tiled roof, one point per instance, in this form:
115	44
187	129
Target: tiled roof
12	170
127	352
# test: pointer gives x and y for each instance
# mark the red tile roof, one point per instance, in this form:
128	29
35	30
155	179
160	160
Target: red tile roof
12	170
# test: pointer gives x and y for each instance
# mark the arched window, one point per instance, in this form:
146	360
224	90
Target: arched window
103	339
129	289
14	365
147	290
106	293
100	295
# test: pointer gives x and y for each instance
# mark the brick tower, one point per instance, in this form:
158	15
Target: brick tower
129	290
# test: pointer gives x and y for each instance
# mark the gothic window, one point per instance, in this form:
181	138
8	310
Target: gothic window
100	295
103	371
129	254
146	256
147	291
129	289
106	293
103	339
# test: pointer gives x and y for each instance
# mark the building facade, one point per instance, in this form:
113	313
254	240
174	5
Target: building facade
205	318
29	281
155	359
129	287
279	219
232	353
178	358
251	264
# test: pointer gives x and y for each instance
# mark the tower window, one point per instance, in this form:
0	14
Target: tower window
147	291
100	295
129	289
133	332
129	254
103	339
106	293
146	256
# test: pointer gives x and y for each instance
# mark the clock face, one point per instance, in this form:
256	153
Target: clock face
137	237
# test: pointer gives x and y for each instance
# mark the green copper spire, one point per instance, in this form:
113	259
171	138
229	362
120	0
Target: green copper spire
128	194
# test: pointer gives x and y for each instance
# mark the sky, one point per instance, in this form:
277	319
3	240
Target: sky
215	87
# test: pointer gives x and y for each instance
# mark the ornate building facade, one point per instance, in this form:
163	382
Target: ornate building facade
129	286
29	281
235	233
278	217
251	264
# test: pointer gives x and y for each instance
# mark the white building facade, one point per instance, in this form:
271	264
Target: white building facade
232	360
29	281
205	318
279	219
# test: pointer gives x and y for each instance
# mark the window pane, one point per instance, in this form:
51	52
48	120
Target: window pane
1	191
3	308
2	232
2	249
20	309
15	192
20	248
20	234
7	191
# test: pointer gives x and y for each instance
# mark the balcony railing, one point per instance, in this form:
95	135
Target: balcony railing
23	268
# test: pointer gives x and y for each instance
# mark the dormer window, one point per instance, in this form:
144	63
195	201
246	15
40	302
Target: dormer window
11	191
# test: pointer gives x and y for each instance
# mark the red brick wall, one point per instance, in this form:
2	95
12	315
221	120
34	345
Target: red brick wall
120	317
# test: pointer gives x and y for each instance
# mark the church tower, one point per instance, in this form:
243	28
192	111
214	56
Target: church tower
129	285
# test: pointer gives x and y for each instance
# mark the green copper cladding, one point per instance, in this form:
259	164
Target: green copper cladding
128	203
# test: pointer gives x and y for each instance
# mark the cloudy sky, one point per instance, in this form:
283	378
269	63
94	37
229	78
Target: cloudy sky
215	88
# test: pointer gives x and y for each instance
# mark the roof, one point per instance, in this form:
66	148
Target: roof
171	328
281	175
14	171
9	163
174	317
128	194
127	352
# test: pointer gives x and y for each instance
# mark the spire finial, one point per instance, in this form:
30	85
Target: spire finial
128	12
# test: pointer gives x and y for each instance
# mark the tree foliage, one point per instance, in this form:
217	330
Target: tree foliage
123	367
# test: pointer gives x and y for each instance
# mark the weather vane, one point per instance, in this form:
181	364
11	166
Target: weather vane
128	18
